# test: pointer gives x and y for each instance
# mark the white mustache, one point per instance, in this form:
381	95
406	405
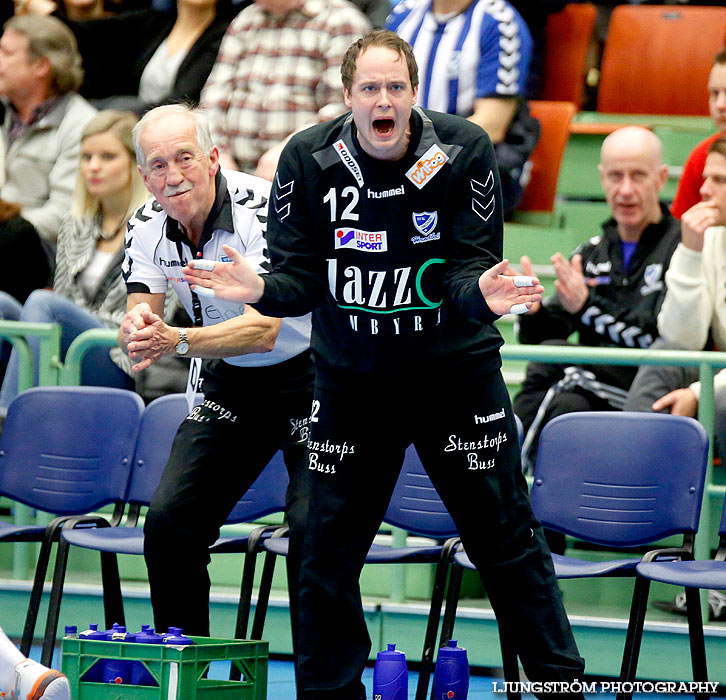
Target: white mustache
170	191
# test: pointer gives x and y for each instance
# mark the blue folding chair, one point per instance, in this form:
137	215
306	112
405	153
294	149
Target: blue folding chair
415	507
615	479
65	451
692	575
159	424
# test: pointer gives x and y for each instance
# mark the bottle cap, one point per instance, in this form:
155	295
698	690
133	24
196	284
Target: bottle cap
451	650
147	636
94	633
176	638
391	651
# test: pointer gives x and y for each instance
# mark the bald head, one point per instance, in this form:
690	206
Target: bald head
632	175
633	142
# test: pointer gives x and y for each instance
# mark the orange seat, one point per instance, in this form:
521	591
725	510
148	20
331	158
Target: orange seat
554	119
657	59
568	35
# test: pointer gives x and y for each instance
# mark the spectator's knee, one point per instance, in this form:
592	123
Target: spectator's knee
568	402
38	303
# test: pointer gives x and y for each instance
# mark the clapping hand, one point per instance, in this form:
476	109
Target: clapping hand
570	283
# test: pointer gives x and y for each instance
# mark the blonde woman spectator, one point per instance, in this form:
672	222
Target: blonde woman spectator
89	290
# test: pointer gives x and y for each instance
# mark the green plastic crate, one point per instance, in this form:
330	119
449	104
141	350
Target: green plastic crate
179	671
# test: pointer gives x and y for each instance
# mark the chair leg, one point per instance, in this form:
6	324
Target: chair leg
248	580
52	532
634	635
437	600
695	636
56	595
245	593
245	596
452	602
113	604
244	605
36	594
263	596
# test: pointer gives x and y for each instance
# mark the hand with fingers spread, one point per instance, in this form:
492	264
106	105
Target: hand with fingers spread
696	220
681	402
526	265
509	293
229	281
570	283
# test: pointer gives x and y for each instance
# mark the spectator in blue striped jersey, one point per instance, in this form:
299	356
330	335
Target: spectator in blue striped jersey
474	58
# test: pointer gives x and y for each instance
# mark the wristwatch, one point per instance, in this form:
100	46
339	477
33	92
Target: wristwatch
182	347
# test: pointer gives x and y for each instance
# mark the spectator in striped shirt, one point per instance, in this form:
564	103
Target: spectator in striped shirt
474	58
277	72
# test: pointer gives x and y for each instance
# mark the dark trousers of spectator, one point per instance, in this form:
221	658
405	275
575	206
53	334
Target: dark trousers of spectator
361	429
655	381
220	449
25	259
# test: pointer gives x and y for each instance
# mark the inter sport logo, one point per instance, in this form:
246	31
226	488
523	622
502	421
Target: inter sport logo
355	239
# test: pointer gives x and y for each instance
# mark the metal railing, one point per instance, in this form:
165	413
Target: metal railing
70	373
705	361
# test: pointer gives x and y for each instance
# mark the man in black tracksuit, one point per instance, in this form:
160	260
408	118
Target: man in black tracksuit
387	223
610	291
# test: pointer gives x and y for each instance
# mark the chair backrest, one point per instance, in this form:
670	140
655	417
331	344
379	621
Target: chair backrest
568	34
68	450
266	495
415	504
159	423
554	119
619	478
657	59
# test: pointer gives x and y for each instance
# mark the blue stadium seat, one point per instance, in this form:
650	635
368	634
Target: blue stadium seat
65	451
615	479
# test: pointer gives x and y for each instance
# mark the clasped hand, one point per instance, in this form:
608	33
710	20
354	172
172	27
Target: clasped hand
146	336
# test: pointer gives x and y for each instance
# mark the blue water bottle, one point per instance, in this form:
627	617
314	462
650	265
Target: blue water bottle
93	633
139	673
118	670
451	678
95	673
390	675
174	637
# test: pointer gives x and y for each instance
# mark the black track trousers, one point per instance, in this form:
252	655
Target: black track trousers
464	431
220	449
